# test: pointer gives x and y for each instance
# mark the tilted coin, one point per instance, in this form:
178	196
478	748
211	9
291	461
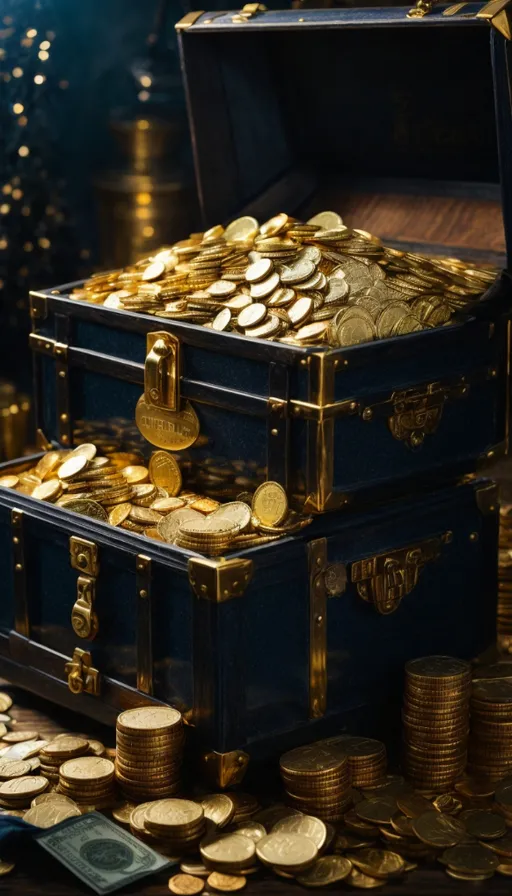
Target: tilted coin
219	808
270	503
378	862
185	885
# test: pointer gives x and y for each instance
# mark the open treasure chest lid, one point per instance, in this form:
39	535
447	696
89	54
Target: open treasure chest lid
402	123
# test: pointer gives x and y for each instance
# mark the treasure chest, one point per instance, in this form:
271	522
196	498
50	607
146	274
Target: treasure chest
261	649
404	149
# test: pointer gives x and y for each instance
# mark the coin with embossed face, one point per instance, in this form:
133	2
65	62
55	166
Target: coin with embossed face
270	504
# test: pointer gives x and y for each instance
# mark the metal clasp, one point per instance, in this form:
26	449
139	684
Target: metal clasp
82	676
384	580
161	371
84	558
83	618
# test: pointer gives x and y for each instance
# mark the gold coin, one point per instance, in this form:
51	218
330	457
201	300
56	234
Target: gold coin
72	466
48	491
362	881
48	814
6	867
326	870
228	850
52	797
286	851
9	481
24	787
219	808
5	702
165	473
226	883
377	862
307	825
270	504
17	737
252	829
146	719
470	859
85	769
13	768
185	885
119	514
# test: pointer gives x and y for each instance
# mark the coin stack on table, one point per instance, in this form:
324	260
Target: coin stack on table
317	780
367	760
89	780
58	751
504	619
436	721
311	283
149	756
490	744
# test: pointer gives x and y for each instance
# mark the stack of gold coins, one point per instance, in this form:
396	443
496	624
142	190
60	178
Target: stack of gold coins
59	750
149	752
317	780
504	618
17	793
436	721
490	744
180	823
367	760
89	780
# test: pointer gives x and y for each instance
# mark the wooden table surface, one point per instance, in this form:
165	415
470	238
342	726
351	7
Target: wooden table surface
38	874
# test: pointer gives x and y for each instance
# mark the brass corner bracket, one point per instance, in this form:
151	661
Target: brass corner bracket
219	580
225	769
499	15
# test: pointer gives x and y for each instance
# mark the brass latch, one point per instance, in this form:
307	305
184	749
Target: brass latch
416	413
84	558
161	371
82	676
385	579
249	11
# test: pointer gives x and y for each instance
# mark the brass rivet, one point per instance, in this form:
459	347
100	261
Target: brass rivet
18	567
274	432
473	536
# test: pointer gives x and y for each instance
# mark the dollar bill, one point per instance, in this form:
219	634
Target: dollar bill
100	853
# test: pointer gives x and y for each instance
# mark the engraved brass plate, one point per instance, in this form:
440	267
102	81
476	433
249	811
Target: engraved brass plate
81	675
173	430
385	579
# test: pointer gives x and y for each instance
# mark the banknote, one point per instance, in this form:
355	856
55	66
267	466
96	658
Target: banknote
100	853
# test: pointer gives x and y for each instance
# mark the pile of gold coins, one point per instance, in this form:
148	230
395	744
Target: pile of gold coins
149	500
149	752
369	834
299	283
436	721
317	780
504	618
490	745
